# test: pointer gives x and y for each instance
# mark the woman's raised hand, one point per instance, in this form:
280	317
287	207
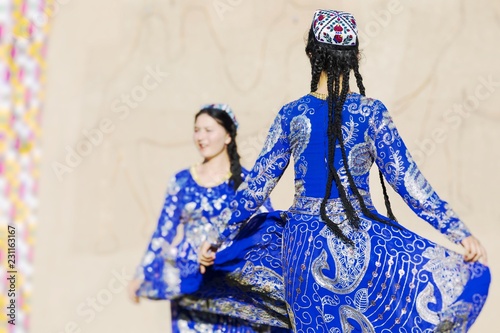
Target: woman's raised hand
132	288
474	251
206	256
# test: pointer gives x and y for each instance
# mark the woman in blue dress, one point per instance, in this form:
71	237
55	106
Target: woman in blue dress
194	197
347	268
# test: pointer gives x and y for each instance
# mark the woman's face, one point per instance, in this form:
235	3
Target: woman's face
210	137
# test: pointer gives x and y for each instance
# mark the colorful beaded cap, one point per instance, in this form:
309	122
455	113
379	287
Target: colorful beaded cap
223	107
335	28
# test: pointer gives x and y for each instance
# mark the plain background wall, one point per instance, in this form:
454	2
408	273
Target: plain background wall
429	62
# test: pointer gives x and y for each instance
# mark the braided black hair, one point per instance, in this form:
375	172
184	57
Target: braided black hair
225	121
337	63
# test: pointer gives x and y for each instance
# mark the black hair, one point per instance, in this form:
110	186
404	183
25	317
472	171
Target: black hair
221	117
338	62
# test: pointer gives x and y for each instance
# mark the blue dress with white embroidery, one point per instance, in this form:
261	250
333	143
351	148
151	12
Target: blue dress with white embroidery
169	269
392	280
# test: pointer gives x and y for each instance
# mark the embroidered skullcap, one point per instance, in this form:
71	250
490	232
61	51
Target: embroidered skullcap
335	27
223	107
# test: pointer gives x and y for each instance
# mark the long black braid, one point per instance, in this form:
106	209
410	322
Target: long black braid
337	64
234	158
361	87
225	121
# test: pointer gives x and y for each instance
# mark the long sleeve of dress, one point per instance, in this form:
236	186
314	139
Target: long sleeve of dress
165	229
159	269
402	173
265	174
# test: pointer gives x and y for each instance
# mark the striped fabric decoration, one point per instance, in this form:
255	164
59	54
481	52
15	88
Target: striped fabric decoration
23	37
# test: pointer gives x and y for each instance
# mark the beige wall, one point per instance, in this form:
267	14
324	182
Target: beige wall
420	57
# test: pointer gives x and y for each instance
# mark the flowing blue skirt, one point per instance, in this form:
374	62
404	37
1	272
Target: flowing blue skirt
288	270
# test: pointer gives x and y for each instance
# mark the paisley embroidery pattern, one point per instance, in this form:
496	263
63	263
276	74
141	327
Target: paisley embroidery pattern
391	280
346	313
350	263
360	159
300	132
423	300
417	186
170	266
274	134
449	272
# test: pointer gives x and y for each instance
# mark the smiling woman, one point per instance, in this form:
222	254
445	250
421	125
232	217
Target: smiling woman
214	136
95	61
195	198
